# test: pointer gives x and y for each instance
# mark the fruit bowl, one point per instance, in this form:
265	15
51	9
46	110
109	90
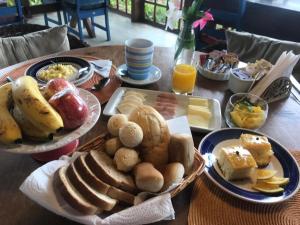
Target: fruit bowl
246	110
64	137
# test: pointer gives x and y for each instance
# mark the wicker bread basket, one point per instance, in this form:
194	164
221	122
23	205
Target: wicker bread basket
98	144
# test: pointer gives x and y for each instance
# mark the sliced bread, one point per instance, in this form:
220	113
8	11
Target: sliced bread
90	178
100	200
63	185
103	167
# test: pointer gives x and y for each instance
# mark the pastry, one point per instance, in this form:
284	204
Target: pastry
236	163
173	174
259	147
112	145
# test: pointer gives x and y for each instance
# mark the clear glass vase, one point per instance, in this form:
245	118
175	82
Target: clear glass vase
185	44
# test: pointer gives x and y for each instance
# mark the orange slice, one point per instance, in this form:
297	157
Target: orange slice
263	174
267	188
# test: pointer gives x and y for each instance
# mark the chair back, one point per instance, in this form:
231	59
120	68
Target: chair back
226	12
13	10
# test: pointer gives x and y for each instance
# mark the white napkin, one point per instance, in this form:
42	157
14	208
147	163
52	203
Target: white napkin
283	68
106	64
38	187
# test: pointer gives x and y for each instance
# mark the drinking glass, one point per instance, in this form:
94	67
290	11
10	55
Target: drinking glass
183	79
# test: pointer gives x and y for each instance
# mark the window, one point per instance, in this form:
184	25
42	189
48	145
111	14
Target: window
123	6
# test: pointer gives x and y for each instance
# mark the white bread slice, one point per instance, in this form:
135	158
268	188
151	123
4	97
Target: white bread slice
103	167
62	185
101	200
90	178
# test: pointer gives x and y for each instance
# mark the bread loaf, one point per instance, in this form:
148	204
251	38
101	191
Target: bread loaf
181	149
154	146
147	178
103	167
89	177
64	188
92	195
173	174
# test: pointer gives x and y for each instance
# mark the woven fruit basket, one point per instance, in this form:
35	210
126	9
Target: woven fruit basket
199	163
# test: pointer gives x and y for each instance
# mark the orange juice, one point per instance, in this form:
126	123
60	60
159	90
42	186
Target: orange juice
184	77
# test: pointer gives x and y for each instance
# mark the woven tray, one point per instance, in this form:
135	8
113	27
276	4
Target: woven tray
98	144
210	205
103	94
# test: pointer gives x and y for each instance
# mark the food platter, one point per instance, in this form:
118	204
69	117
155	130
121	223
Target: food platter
282	161
83	69
62	138
180	110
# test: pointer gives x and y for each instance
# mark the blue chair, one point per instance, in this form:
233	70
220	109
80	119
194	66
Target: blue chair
83	10
227	13
58	9
15	11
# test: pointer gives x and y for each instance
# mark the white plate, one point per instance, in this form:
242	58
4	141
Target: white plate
282	161
154	76
63	138
181	109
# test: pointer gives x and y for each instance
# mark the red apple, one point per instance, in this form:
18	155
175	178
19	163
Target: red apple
71	107
56	85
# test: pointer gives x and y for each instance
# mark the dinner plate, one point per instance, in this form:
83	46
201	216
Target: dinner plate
84	70
154	76
282	161
62	138
181	107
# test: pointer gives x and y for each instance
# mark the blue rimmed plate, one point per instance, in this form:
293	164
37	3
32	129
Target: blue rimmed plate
83	69
282	161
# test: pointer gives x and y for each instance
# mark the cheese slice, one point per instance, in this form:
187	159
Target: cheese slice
199	110
126	108
198	102
198	121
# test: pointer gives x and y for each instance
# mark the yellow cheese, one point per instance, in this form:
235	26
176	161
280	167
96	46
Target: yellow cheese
199	110
198	102
197	120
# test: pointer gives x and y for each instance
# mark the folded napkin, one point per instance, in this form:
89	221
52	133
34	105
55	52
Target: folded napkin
38	187
282	68
105	64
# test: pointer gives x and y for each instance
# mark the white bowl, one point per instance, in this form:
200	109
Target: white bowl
237	84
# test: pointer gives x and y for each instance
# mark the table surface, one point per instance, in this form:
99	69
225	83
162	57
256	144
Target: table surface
282	125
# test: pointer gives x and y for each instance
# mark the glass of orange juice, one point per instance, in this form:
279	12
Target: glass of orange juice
183	79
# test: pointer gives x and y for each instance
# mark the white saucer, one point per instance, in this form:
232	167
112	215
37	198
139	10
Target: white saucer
154	76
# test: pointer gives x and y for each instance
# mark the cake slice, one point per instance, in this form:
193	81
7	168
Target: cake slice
90	178
103	167
236	163
93	196
67	191
259	147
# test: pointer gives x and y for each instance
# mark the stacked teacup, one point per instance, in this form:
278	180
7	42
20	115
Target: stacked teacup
139	58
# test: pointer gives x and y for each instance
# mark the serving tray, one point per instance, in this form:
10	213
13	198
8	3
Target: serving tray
181	107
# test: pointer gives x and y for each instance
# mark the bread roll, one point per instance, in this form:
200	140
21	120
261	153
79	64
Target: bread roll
112	145
147	178
173	174
125	159
131	135
154	146
115	123
181	149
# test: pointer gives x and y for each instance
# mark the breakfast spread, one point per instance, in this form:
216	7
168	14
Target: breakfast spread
35	117
135	159
57	71
239	162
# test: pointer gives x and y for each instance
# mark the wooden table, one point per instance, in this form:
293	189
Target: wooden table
283	124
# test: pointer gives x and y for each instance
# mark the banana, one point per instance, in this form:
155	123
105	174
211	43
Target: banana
28	129
34	106
10	131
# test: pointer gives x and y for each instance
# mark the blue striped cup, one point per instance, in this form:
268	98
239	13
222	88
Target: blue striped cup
139	58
